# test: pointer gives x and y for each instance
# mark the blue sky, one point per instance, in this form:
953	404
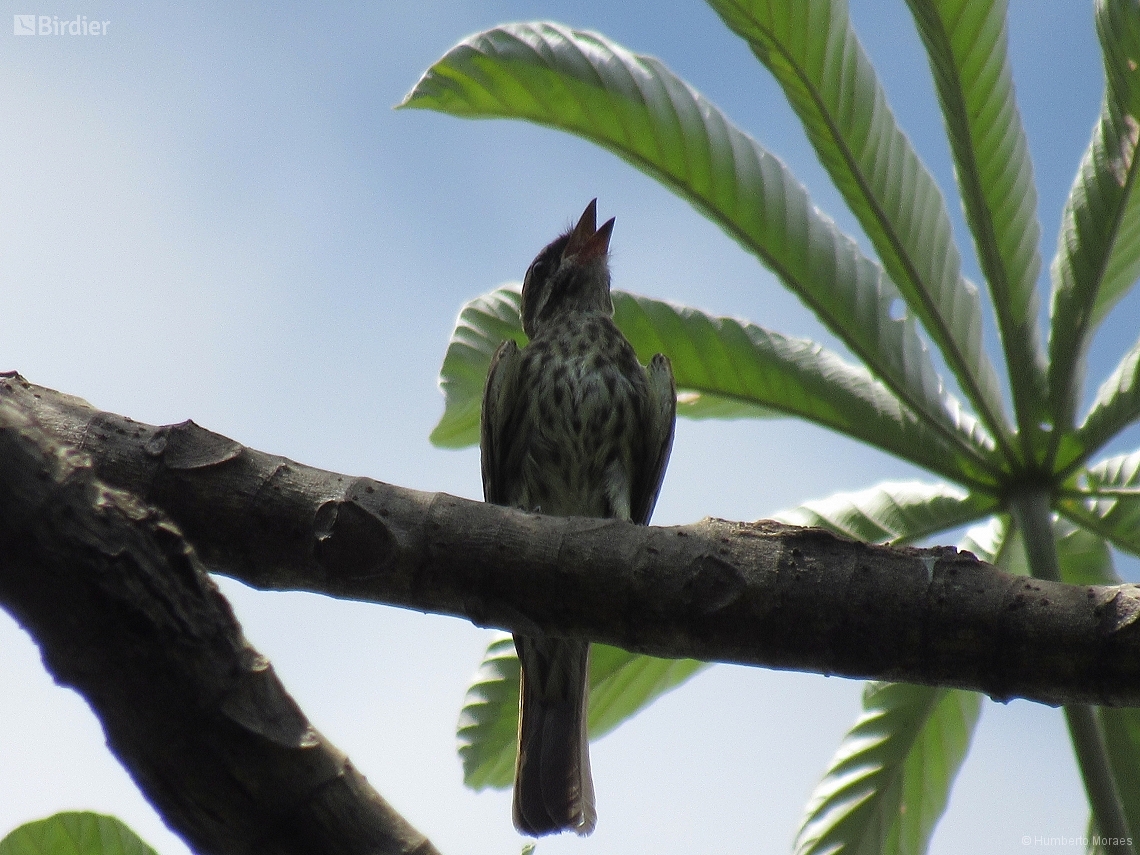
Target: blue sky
212	212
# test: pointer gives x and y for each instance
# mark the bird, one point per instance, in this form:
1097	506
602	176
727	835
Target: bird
572	424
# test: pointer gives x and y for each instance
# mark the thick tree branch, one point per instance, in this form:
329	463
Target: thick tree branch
761	594
124	613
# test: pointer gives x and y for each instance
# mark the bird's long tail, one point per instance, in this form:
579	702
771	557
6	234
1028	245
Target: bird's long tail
553	788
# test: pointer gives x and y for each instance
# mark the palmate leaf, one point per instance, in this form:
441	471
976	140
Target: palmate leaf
890	780
1117	404
966	43
621	684
1084	556
990	541
1122	736
893	512
712	380
1098	252
634	106
1098	257
489	320
1116	515
1086	560
721	365
489	720
483	324
813	53
74	833
728	359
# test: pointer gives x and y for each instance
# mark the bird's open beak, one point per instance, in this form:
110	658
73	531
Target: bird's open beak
588	242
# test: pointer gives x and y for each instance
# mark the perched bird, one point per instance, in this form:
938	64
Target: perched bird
572	425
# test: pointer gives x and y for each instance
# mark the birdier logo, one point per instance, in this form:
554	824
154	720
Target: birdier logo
51	25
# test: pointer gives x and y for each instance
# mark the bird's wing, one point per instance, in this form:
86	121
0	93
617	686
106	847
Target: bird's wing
499	424
658	421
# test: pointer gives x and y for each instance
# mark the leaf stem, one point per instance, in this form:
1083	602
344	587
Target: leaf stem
1032	511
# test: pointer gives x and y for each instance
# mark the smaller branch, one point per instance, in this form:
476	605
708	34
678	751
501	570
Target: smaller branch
124	614
1096	771
1034	517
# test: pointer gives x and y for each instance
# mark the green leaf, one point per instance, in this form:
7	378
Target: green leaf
489	719
813	53
728	359
1115	513
892	512
1098	251
1118	25
1116	406
489	320
1084	555
719	364
483	324
890	780
621	685
634	106
1087	560
966	43
705	365
624	683
1122	738
990	541
74	833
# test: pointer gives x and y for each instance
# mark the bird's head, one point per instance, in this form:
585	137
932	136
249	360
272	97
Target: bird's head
571	274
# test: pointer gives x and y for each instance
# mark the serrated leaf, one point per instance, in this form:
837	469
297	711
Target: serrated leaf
624	683
811	49
736	360
483	324
634	106
729	364
489	719
74	833
621	685
1084	556
1114	515
890	780
967	45
1086	560
1118	26
488	321
1117	405
892	512
989	540
1122	738
1098	251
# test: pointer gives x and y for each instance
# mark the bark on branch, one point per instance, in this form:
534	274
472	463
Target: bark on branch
753	593
124	613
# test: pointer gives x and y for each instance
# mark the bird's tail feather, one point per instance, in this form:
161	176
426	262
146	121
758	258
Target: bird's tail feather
553	788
